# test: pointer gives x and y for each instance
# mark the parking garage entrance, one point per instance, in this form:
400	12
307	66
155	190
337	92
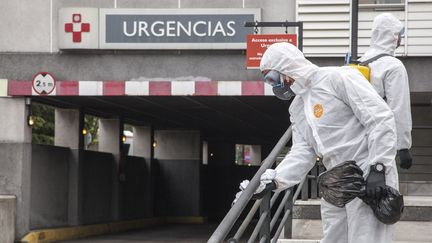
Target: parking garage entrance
149	152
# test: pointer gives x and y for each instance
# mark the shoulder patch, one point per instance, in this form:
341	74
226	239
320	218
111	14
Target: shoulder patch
318	110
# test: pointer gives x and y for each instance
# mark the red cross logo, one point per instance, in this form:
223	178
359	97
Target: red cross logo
76	27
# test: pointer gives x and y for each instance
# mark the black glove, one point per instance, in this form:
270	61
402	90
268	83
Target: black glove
375	184
269	187
405	158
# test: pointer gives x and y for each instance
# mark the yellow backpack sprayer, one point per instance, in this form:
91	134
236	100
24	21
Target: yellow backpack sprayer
363	67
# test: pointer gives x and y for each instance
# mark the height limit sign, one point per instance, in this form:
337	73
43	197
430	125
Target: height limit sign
43	84
258	44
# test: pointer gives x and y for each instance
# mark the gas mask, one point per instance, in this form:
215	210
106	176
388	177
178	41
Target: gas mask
400	36
280	89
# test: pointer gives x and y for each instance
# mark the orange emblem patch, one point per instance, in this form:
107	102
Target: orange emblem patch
318	110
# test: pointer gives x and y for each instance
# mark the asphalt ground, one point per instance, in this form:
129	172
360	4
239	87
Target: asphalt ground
190	233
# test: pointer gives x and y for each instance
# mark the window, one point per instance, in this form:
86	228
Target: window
248	155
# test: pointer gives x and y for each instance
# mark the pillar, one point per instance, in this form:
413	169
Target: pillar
143	142
110	132
67	128
68	133
109	136
178	154
177	145
143	137
15	159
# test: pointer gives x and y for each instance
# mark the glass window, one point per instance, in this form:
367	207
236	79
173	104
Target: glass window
249	155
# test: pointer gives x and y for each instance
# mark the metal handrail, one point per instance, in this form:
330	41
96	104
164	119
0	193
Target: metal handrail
250	215
258	227
227	223
247	220
288	212
279	209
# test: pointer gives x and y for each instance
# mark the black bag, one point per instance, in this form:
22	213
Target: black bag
342	184
390	207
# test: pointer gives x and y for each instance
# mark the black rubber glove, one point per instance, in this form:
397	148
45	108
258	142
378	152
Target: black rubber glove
405	158
269	187
375	192
375	183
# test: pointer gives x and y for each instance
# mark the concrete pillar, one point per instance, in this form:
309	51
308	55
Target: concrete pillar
15	159
142	142
13	124
109	136
7	218
143	147
177	145
178	154
67	128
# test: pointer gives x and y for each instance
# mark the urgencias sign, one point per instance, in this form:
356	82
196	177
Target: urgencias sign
161	28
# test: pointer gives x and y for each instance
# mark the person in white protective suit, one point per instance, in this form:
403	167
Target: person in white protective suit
336	115
390	79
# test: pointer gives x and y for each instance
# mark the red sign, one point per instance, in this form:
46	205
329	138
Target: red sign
76	27
258	44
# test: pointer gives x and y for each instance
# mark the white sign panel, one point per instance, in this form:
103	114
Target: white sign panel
155	28
78	28
43	84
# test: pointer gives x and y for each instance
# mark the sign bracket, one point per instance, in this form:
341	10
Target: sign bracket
285	24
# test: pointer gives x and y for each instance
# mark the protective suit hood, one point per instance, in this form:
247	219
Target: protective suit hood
384	37
290	61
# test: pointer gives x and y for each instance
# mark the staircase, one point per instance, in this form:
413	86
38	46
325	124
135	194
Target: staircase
414	226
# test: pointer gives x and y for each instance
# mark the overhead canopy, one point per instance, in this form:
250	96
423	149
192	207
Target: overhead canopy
248	119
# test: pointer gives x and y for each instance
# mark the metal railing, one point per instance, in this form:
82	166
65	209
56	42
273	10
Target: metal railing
266	223
229	220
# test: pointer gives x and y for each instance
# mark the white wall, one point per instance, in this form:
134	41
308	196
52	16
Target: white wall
327	26
31	25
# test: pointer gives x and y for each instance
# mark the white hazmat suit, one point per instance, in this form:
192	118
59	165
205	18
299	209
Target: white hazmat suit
337	115
389	76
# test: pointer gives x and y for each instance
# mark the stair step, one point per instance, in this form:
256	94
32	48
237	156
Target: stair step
308	231
317	241
416	188
415	176
297	241
421	137
421	150
417	208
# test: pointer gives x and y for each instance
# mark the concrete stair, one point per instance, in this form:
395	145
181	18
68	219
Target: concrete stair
416	188
417	208
310	230
414	227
